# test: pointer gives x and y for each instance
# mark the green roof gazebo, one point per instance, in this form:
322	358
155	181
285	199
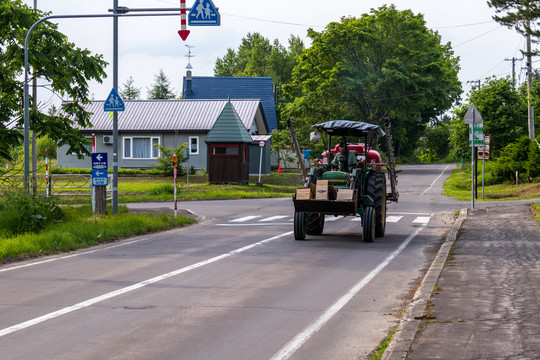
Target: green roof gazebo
228	149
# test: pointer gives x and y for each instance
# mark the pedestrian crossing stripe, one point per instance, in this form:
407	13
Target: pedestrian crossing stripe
245	218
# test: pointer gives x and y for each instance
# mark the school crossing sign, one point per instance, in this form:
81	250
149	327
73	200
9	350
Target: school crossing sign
204	13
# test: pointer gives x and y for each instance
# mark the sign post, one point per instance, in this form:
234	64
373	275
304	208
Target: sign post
175	166
474	119
100	180
261	145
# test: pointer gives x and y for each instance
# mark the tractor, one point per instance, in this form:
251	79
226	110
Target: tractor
353	183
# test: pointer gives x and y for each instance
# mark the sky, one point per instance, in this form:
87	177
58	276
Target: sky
149	44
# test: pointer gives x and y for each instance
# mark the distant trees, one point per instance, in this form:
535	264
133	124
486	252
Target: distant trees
161	88
129	91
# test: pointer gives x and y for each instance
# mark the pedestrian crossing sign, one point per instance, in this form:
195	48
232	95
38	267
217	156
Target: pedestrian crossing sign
114	102
204	13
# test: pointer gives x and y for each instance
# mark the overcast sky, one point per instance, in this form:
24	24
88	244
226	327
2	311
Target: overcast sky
148	44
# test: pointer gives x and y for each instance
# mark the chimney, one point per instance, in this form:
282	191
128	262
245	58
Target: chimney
188	84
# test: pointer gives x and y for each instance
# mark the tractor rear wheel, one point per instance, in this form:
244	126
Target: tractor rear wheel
368	232
376	189
315	224
299	226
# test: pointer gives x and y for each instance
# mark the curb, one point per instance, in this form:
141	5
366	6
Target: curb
403	338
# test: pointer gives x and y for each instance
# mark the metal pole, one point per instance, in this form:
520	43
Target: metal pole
114	189
34	136
483	166
529	89
472	164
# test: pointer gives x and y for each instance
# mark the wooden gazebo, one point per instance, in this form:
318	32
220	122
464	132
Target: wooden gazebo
228	149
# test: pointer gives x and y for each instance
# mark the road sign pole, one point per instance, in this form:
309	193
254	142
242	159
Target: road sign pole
472	165
175	198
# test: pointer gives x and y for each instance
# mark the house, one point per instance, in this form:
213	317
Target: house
168	123
235	87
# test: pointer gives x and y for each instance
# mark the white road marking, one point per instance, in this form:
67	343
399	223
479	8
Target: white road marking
332	217
300	339
408	213
422	220
271	218
133	287
434	181
393	219
254	224
245	218
72	255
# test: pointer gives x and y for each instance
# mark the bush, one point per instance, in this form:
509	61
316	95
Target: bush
23	212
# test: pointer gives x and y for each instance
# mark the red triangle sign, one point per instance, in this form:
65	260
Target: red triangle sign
183	34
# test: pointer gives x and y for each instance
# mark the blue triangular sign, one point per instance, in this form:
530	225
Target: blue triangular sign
114	102
204	13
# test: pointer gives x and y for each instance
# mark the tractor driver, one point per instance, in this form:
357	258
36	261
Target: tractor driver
351	157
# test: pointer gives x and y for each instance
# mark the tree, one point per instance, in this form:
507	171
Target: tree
165	161
386	63
161	89
129	91
518	14
53	58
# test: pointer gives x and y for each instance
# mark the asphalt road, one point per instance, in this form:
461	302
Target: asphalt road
235	286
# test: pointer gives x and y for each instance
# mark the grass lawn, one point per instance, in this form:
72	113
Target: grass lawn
81	229
458	186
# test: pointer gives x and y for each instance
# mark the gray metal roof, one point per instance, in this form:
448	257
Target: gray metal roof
175	115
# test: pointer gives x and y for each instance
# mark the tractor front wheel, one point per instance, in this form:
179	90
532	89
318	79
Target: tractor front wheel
299	226
368	233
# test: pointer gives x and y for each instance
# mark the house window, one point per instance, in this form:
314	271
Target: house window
141	147
224	149
194	145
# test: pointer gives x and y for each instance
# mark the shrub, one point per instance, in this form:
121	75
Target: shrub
23	212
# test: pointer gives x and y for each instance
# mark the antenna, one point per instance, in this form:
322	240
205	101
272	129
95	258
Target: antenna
189	56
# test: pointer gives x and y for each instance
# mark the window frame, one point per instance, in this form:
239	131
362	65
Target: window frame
196	152
153	150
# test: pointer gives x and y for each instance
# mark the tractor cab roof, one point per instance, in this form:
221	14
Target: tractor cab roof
348	128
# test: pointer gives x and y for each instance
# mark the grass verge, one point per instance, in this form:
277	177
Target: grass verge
458	186
82	229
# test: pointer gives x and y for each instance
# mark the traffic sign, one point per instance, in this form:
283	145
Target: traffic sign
99	161
114	102
204	13
261	143
99	178
469	115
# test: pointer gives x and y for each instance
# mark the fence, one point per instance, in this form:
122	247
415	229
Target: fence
57	184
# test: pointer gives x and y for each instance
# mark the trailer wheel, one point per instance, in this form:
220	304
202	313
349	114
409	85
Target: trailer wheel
299	226
315	224
368	233
376	189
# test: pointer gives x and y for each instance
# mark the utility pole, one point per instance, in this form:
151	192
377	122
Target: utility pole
513	60
529	87
114	188
34	136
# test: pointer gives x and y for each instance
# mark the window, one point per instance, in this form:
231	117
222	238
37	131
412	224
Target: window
194	145
141	147
224	149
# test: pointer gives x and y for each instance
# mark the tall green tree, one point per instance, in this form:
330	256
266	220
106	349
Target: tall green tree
129	91
385	63
161	88
519	14
52	57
